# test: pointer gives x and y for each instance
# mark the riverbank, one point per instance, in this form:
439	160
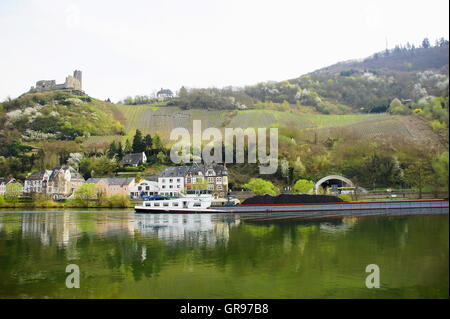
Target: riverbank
115	201
121	202
59	205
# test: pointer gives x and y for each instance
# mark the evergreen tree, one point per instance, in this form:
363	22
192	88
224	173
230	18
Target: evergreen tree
119	151
148	143
127	148
112	150
138	143
425	43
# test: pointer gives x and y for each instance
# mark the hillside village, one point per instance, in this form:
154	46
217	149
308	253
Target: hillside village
378	127
63	182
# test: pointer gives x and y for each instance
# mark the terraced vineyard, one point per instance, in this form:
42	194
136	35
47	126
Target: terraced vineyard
152	120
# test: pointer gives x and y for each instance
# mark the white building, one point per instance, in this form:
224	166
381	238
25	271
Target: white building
59	182
144	188
171	180
176	179
63	182
37	182
164	94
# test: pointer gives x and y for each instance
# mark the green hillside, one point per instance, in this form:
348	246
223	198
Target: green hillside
367	85
152	120
403	81
59	115
381	115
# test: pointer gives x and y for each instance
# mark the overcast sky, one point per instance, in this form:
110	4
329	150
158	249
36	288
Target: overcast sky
136	47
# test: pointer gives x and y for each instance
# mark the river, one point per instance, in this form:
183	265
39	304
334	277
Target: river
121	254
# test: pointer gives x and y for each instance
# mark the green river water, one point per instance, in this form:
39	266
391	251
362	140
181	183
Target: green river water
121	254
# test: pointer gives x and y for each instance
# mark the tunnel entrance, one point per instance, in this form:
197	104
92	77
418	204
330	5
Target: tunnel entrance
338	184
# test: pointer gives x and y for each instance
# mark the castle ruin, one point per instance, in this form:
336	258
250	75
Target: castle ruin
72	82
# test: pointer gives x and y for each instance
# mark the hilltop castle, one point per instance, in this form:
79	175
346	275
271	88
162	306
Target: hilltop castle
72	82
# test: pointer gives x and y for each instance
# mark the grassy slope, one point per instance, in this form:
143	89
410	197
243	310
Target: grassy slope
162	120
87	114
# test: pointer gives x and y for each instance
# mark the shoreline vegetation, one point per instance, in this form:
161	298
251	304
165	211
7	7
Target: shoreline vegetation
83	199
123	201
50	203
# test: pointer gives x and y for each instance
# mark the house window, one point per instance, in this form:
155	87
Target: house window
219	179
147	188
164	186
219	187
139	188
178	180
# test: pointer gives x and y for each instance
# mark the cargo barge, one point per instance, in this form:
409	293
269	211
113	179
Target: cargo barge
305	207
203	202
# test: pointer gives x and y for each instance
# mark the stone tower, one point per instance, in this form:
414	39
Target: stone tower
72	82
77	75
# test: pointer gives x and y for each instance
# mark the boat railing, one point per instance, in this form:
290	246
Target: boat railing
158	197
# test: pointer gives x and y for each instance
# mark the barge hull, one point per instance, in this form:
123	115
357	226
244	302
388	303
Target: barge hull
313	210
342	206
174	211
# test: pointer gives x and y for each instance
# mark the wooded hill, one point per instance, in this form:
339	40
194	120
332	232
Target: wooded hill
411	75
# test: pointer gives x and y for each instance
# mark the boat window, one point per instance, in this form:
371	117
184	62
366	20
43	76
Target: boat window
165	204
156	204
147	204
197	204
175	204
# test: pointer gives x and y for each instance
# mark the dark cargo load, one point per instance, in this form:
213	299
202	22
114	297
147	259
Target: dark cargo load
291	199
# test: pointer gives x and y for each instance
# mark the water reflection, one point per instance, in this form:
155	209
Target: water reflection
128	255
342	225
62	228
198	229
65	227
